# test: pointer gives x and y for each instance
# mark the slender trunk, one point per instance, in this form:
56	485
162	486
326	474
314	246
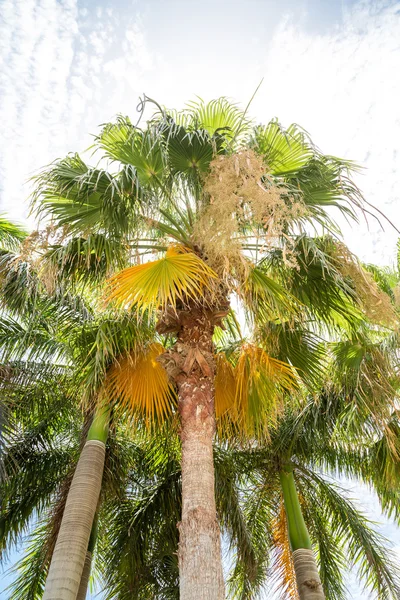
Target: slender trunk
309	584
200	561
68	560
83	587
82	592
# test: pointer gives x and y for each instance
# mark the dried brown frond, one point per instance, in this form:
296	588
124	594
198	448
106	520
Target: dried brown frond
39	241
33	249
29	246
396	293
374	302
283	567
48	276
245	203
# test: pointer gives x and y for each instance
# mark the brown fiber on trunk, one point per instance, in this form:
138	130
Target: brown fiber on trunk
307	577
191	365
69	554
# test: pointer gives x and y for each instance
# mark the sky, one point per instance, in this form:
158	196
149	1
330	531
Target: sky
332	66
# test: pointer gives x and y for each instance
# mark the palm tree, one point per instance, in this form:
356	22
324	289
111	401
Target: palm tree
56	351
11	236
45	334
140	499
226	205
125	555
291	505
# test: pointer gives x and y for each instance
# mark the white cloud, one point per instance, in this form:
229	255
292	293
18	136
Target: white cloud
343	86
64	71
37	50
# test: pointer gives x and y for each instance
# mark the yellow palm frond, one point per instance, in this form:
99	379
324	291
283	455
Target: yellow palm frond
248	395
260	385
283	567
225	386
178	276
140	384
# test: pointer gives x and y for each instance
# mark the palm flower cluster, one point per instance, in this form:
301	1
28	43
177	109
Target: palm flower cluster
178	349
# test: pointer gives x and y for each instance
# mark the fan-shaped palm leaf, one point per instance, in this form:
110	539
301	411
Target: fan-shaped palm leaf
139	383
178	276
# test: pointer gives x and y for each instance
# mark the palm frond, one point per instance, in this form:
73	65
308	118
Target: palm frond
177	277
219	116
367	550
11	235
140	384
284	152
260	385
31	570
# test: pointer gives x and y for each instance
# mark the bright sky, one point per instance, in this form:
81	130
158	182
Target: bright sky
332	66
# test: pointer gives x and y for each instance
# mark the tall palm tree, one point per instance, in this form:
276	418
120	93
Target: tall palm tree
122	551
57	335
291	504
354	407
56	351
226	206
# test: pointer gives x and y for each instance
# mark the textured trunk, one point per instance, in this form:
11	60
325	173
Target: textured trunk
68	560
200	562
83	587
308	582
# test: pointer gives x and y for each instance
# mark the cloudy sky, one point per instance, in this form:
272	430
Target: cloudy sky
332	66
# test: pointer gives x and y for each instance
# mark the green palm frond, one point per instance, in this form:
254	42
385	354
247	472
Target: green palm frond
11	235
81	199
266	298
257	507
316	282
31	570
247	545
138	536
385	277
141	150
37	459
325	183
284	151
362	371
298	346
19	341
219	116
85	260
367	550
189	152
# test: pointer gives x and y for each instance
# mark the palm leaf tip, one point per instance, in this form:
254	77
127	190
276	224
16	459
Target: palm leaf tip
179	276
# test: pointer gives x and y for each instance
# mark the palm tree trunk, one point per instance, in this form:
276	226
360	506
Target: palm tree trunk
82	592
68	560
200	561
83	587
309	584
